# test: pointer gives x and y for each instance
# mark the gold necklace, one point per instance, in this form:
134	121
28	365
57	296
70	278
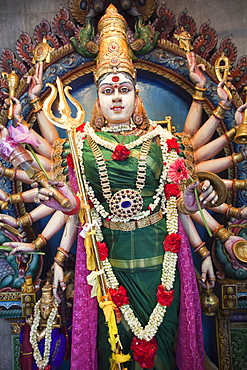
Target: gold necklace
124	203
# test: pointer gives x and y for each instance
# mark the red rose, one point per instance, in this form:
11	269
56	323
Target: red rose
81	127
119	296
164	297
172	144
172	243
120	153
171	190
69	160
103	250
144	352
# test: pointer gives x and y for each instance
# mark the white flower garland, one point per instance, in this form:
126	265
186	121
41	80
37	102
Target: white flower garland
42	362
169	207
158	130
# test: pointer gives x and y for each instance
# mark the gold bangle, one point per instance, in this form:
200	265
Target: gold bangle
202	250
238	157
219	111
9	172
199	94
239	184
63	251
230	134
16	198
60	258
228	210
39	242
25	220
181	207
58	262
222	233
37	104
234	212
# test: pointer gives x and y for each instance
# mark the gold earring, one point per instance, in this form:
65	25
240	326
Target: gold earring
99	121
137	119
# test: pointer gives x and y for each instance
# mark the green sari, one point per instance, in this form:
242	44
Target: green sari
136	256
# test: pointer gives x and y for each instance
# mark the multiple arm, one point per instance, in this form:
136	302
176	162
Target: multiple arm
203	152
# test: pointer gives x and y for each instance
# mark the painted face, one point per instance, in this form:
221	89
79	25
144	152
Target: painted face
45	311
116	98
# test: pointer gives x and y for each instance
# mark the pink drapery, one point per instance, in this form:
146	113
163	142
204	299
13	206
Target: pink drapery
85	309
190	346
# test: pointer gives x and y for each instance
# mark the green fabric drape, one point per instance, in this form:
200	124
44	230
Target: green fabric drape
136	256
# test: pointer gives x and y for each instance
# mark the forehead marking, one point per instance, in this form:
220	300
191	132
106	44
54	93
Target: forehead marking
115	79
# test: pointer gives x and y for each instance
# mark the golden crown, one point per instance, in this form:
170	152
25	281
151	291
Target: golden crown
114	53
47	295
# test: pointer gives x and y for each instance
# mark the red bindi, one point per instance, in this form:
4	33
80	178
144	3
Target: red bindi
115	79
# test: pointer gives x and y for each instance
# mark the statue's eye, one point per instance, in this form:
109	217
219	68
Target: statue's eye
124	89
107	90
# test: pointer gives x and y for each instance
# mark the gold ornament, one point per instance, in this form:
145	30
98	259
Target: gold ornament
240	250
42	52
37	104
218	186
241	131
13	81
47	295
199	93
184	39
209	301
222	233
222	70
114	52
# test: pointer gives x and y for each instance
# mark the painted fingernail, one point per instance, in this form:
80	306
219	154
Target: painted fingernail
201	199
204	202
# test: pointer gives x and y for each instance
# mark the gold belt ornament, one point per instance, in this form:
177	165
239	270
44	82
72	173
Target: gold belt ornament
132	225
